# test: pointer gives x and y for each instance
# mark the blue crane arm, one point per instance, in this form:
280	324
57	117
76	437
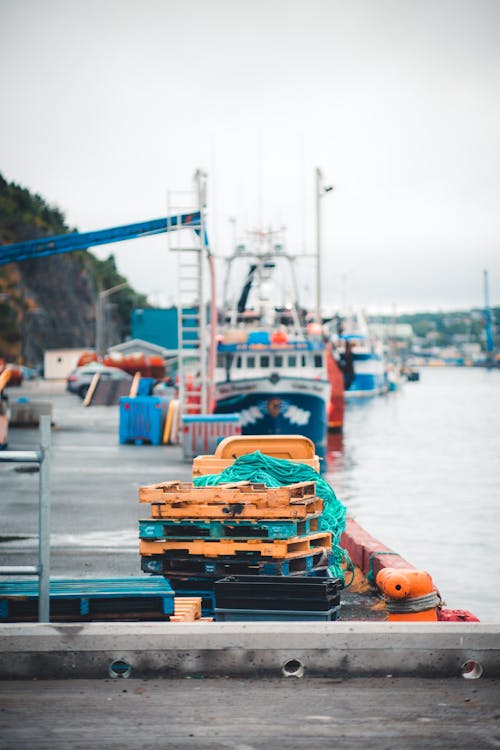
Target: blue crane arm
488	323
490	345
67	243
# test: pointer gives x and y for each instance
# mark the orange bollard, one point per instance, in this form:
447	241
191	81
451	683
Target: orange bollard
409	593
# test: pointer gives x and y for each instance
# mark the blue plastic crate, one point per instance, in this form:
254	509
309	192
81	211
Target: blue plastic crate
142	419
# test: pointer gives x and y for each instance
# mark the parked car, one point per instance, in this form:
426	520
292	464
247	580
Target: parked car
79	380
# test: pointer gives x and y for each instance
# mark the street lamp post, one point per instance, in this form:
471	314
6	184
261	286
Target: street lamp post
100	315
321	189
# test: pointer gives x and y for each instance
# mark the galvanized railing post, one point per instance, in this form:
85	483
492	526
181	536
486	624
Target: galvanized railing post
42	570
44	522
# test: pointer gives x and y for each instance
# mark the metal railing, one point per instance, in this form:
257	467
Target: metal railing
42	570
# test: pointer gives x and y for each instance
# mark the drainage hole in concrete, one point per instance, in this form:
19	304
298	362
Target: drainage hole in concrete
472	670
12	538
293	668
119	668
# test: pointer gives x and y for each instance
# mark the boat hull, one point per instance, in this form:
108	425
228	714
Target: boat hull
369	378
290	406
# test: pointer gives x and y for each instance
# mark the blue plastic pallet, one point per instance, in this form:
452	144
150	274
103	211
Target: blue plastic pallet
240	529
87	596
310	564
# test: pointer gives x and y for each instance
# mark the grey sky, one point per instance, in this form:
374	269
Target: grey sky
107	104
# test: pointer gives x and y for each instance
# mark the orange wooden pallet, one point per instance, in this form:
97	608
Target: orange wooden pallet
276	548
300	509
188	609
176	492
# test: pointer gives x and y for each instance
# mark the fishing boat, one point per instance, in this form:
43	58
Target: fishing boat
361	358
271	364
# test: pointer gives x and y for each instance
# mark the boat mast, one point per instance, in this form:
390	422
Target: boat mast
321	189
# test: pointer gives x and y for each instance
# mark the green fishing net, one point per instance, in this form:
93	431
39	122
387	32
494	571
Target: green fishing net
277	472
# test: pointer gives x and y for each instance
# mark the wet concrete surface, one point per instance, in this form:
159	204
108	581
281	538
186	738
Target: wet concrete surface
94	489
250	715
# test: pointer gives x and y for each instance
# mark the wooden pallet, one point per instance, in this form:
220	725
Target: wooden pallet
299	510
188	609
202	590
315	563
175	493
155	528
280	548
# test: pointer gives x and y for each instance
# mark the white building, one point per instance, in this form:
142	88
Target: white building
58	363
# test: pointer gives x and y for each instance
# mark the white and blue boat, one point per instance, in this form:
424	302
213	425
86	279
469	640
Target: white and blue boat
270	369
362	359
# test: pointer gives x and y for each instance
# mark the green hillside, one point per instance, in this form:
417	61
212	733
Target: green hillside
49	302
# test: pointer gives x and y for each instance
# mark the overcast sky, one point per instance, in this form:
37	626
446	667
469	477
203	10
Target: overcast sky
109	104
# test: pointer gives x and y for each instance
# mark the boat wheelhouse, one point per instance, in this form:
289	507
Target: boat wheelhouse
276	387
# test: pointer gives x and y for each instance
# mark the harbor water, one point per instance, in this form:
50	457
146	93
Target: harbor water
419	469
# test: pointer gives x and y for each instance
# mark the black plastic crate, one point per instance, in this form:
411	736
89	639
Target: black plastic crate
268	615
278	593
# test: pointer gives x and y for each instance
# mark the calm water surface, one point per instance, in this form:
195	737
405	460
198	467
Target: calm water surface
419	469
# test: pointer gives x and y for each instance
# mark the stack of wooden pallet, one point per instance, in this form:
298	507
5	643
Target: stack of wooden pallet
197	535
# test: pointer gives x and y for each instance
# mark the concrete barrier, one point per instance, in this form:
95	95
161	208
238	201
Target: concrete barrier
340	649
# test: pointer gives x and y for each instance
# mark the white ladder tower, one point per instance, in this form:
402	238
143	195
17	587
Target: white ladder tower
191	248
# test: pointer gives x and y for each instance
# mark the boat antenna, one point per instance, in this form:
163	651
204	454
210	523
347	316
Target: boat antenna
259	180
321	189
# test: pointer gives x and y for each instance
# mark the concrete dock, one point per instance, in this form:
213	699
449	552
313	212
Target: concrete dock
241	714
214	685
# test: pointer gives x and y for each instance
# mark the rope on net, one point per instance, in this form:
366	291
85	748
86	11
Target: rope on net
277	472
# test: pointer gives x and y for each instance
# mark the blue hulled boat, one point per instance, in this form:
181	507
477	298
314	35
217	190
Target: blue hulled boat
362	359
271	366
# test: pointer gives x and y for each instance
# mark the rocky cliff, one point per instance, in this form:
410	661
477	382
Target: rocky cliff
49	302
